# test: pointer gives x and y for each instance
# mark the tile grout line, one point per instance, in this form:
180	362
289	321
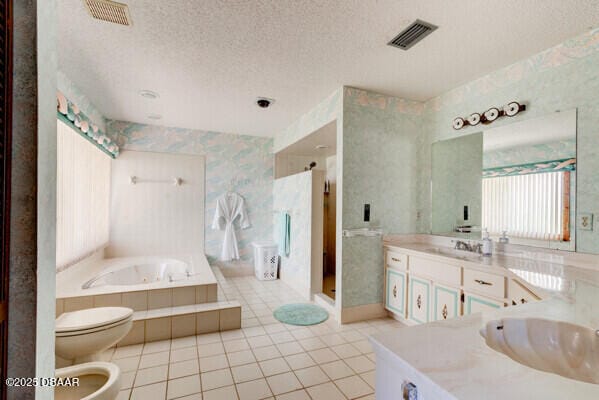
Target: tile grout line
247	295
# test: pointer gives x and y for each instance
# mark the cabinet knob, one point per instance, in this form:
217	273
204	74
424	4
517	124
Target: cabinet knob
394	290
395	259
481	282
444	312
419	301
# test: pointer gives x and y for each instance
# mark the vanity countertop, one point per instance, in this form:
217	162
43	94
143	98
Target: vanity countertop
550	273
455	360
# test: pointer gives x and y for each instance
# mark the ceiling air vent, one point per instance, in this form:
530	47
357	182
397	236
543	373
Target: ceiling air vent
414	33
109	11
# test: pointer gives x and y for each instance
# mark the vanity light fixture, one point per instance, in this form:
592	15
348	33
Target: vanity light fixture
474	119
513	108
509	110
491	114
458	123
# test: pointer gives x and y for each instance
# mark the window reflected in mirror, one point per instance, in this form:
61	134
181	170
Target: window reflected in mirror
517	181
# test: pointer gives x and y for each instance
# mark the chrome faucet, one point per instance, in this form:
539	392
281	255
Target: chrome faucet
471	247
459	245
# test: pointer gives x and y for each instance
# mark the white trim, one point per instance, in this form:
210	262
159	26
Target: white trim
363	312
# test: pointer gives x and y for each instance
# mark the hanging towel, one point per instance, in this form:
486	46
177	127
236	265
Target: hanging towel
285	233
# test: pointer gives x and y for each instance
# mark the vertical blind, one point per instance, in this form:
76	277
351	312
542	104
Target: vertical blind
83	197
527	206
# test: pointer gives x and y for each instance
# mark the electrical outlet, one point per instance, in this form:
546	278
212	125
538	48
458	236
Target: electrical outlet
585	221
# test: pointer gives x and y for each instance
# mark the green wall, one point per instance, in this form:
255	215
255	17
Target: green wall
457	166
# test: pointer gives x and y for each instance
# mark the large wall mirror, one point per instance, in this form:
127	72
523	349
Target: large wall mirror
516	181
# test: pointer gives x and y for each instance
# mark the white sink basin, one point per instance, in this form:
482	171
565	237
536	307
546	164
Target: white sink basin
461	254
558	347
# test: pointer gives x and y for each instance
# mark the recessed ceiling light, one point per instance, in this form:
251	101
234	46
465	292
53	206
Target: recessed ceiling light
321	146
148	94
154	116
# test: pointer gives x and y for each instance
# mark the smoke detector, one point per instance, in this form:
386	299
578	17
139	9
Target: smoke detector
264	102
414	33
109	11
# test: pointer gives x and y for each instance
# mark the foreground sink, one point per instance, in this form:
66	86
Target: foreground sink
558	347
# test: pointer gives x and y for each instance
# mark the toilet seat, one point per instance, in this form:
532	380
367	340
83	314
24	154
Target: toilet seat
91	320
92	330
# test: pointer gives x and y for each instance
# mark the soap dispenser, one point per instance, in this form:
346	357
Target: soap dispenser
504	238
487	244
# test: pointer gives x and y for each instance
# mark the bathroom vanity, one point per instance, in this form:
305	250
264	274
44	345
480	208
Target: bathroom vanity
425	282
459	293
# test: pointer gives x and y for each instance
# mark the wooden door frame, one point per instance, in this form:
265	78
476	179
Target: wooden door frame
6	27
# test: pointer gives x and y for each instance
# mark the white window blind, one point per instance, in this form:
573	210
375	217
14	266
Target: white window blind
83	197
527	206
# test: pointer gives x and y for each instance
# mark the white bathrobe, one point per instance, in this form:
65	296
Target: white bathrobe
229	206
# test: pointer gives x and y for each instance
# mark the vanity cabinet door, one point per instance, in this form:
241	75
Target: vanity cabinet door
395	299
474	303
446	302
419	294
518	294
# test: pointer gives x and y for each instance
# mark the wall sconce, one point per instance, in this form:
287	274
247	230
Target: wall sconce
509	110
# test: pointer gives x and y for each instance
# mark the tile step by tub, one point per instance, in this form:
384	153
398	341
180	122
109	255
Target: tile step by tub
142	300
180	321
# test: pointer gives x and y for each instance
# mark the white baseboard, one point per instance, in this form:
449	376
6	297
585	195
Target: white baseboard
401	319
362	313
231	269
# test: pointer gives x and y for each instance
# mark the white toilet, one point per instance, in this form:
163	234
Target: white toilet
96	381
82	335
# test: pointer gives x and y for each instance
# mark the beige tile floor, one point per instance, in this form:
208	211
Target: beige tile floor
263	360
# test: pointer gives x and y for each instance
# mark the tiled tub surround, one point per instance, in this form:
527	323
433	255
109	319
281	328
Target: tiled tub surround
162	310
176	322
69	282
262	360
463	366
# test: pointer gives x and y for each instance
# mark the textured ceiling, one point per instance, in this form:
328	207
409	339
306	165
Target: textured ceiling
209	60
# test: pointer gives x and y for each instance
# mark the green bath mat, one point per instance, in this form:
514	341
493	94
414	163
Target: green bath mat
301	314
